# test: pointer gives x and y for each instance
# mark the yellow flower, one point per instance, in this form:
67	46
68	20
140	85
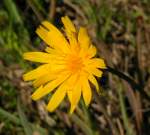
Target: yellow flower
68	65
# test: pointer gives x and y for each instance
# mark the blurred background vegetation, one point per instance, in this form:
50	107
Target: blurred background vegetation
120	29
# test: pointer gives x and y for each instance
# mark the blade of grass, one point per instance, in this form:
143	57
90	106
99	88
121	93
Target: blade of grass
40	130
9	116
124	113
134	100
35	10
39	5
13	12
86	113
23	120
16	120
87	10
86	130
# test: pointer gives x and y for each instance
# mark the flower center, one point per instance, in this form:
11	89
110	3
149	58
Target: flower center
74	63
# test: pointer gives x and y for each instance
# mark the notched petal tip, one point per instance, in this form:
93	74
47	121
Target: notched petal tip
92	51
25	77
72	108
37	57
25	55
36	95
86	92
49	109
103	65
56	98
47	25
100	91
68	24
42	33
83	38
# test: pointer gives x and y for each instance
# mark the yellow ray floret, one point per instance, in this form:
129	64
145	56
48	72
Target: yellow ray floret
83	38
86	91
70	32
37	57
52	36
57	96
68	65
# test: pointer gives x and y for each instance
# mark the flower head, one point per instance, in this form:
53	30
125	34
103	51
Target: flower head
68	65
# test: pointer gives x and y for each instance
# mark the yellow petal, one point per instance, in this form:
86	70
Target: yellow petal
69	26
53	51
75	97
69	94
52	36
86	91
94	82
48	77
42	91
56	37
70	32
97	72
36	73
44	79
43	34
93	71
57	98
91	51
88	53
71	82
96	63
37	57
83	38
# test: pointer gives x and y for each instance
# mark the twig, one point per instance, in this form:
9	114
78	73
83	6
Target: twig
120	127
139	52
52	9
